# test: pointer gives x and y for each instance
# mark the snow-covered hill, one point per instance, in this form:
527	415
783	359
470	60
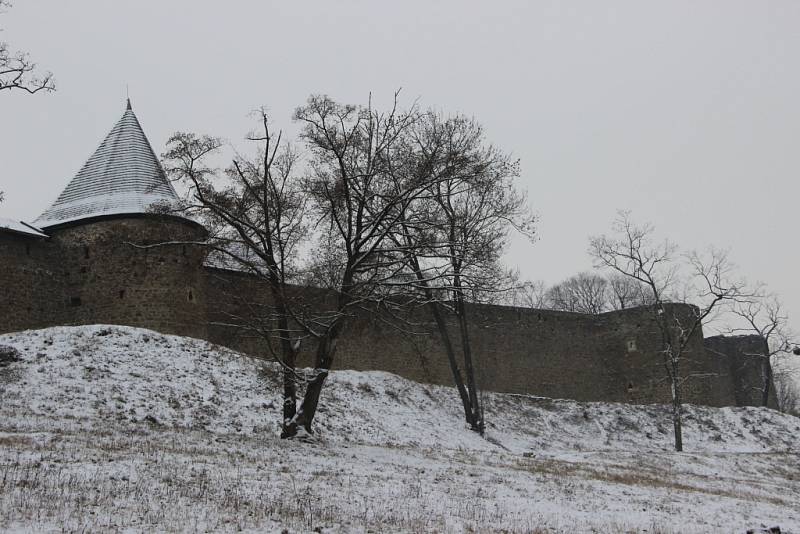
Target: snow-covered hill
108	427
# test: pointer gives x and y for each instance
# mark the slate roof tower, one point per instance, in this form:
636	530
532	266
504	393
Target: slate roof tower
88	265
123	176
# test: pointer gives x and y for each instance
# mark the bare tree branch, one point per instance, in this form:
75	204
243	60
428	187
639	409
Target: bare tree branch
18	72
708	281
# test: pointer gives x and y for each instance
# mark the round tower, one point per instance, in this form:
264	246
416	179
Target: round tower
123	255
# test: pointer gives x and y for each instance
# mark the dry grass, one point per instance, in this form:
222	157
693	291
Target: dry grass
669	477
192	481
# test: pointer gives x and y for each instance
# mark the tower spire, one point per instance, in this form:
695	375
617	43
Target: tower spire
123	176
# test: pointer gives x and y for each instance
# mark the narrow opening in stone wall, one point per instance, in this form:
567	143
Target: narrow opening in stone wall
86	252
74	301
121	293
191	296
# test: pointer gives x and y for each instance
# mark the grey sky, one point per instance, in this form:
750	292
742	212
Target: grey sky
685	112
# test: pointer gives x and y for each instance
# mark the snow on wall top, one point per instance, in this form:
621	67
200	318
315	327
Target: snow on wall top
123	176
19	227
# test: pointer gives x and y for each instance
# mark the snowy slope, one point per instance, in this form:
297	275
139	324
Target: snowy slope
119	407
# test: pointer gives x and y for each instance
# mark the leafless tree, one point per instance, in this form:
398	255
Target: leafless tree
17	71
359	198
764	316
453	236
375	182
707	281
625	292
527	294
255	213
582	293
788	395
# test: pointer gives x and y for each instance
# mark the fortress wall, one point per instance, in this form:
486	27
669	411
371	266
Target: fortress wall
740	358
231	296
235	297
107	280
515	351
609	357
30	283
88	274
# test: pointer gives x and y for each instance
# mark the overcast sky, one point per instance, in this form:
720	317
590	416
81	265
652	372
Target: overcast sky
685	112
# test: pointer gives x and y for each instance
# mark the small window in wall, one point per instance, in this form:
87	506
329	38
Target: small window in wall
86	252
121	293
191	296
74	301
631	344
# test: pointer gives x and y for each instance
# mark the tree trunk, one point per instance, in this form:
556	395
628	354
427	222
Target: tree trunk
677	406
767	383
766	372
441	325
677	413
475	409
323	360
671	367
322	366
288	363
289	391
451	358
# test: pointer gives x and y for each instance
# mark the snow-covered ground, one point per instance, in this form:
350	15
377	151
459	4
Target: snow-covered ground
108	428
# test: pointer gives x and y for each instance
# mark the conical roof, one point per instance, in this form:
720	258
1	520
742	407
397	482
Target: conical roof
123	176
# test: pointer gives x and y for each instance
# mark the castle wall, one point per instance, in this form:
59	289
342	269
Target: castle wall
741	358
30	284
608	357
90	273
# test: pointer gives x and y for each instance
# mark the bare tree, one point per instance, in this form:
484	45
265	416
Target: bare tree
707	282
453	236
367	172
763	315
359	198
625	292
527	294
582	293
788	394
256	215
17	71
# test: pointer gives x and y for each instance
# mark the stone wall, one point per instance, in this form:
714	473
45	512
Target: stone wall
741	358
31	284
90	273
609	357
